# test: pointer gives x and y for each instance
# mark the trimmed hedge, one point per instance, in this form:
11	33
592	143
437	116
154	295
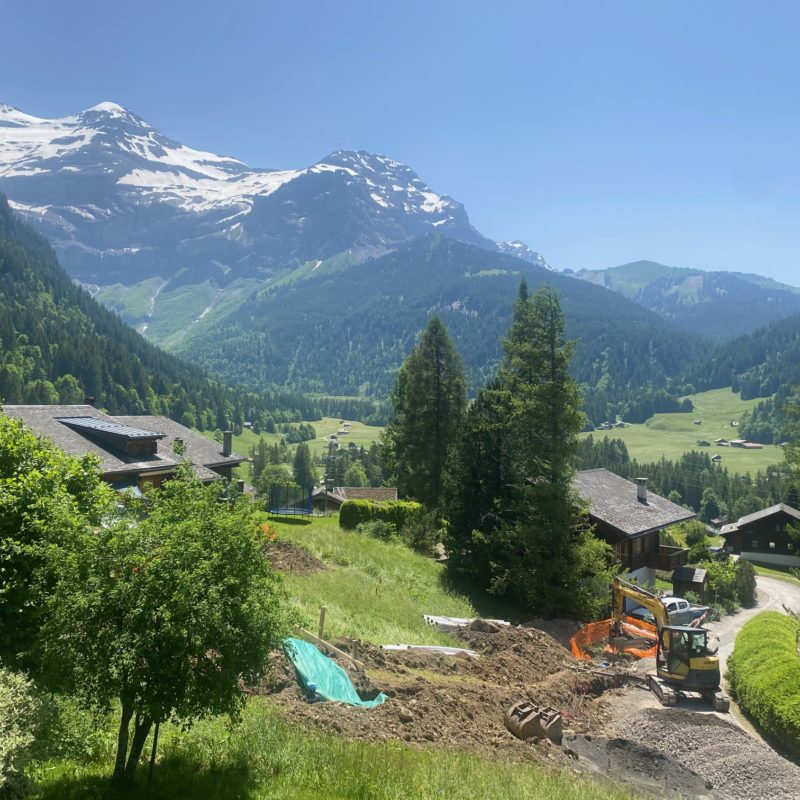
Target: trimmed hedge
764	673
395	512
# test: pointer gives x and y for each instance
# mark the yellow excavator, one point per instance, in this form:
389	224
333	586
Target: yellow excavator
684	660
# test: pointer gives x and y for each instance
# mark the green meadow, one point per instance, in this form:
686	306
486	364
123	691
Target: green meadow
671	435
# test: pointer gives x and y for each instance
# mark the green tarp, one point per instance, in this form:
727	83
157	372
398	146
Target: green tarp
332	682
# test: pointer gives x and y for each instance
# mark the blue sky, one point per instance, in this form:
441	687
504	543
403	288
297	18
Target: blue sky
597	132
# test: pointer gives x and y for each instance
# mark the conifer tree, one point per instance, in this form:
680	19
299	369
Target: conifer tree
302	469
428	401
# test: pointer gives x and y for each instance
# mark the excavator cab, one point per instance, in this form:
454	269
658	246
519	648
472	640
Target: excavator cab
686	660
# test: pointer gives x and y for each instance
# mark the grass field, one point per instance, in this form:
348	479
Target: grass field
671	435
264	758
360	434
373	590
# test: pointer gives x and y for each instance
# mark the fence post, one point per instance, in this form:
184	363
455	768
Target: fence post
321	626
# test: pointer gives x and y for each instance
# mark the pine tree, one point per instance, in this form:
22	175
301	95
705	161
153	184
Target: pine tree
428	401
516	521
302	469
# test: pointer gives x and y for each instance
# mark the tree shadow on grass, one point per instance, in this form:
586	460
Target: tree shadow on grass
173	778
487	605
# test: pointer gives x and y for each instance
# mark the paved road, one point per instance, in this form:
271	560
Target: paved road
773	595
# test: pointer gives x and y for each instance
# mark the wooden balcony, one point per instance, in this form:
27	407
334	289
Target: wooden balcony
667	558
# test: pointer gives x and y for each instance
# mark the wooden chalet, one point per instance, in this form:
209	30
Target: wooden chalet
631	518
133	451
765	536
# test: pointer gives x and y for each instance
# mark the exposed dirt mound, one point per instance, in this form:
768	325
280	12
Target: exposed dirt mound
459	701
288	557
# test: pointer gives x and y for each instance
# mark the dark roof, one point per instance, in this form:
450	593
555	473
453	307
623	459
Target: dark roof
768	512
48	421
613	500
200	450
108	428
689	574
375	493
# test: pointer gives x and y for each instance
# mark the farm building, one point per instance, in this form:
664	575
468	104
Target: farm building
133	451
764	536
630	518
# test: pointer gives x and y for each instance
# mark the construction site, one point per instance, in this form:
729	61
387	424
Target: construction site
545	691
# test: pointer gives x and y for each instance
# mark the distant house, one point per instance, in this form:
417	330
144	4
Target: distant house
737	443
630	518
764	536
619	424
716	458
698	422
323	499
703	443
752	446
134	451
722	442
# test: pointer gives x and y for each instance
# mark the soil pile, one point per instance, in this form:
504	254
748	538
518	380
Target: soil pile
458	701
726	756
286	556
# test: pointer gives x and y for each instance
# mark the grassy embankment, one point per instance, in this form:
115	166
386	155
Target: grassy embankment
374	591
671	435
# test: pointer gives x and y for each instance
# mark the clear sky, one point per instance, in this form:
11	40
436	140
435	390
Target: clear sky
598	132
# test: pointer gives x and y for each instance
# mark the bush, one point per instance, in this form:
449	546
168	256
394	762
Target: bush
18	720
395	512
746	582
764	673
422	532
378	529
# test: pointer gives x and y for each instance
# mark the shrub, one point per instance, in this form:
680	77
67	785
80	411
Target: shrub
764	673
395	512
378	529
745	583
421	531
18	719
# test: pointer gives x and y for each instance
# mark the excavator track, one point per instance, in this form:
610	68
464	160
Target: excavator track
666	695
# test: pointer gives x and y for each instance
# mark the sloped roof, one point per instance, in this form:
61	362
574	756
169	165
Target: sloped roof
689	574
768	512
375	493
48	421
613	500
199	449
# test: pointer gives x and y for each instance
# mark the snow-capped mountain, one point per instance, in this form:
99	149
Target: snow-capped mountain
121	202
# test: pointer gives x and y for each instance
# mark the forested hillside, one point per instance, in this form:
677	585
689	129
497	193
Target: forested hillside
59	345
347	331
718	304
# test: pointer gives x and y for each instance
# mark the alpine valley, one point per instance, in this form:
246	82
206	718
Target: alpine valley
319	278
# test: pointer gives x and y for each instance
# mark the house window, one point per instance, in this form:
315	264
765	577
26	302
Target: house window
754	544
772	545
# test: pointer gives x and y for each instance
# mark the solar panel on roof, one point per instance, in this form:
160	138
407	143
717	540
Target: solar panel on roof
109	428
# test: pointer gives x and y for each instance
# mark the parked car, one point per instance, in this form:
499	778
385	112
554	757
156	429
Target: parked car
680	611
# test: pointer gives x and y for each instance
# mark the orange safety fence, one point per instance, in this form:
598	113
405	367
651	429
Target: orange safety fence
596	633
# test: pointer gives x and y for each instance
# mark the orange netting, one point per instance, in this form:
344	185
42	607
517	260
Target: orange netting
595	633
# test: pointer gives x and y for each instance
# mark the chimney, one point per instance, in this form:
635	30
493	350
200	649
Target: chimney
641	490
89	400
227	443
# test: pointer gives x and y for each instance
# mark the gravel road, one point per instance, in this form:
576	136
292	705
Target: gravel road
723	749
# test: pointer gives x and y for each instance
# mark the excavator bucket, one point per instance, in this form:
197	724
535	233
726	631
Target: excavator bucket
527	720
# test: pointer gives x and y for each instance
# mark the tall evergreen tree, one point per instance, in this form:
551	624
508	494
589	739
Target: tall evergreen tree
516	520
428	402
302	468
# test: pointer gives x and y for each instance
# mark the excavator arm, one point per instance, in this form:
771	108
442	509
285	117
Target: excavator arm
622	589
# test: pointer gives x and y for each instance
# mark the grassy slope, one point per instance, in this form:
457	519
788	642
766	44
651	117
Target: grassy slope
373	590
264	758
671	435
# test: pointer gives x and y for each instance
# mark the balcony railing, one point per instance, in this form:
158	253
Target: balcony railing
667	558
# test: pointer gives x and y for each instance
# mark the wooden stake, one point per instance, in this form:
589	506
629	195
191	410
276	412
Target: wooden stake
321	626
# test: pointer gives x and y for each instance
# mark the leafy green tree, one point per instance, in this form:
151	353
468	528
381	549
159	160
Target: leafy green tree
356	475
302	468
171	616
45	496
428	402
18	722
